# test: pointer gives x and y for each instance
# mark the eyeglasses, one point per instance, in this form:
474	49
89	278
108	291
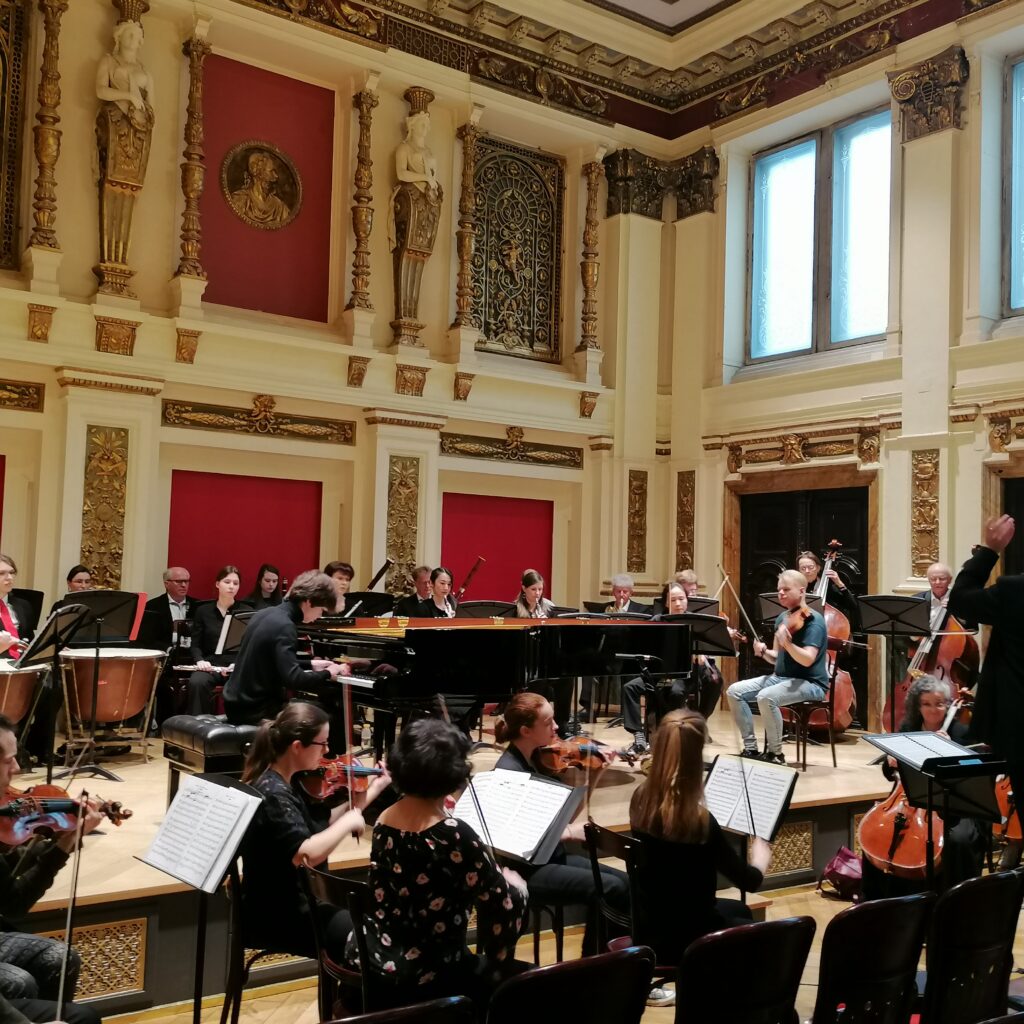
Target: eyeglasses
319	743
8	572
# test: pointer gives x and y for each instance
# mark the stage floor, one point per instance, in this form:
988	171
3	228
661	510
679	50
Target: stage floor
110	871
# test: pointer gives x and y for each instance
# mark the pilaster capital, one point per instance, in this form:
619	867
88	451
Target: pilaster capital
931	94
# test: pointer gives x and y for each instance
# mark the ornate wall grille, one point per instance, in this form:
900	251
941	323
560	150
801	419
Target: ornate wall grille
12	81
517	262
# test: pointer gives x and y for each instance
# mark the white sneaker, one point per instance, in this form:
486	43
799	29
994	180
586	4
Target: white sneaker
661	997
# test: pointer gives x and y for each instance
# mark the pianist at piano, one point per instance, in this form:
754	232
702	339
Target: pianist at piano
267	664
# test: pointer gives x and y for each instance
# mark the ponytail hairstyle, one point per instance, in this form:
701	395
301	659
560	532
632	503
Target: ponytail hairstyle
295	721
669	803
520	713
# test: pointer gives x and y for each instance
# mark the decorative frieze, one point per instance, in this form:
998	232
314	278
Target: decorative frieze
362	209
686	508
25	395
357	366
410	380
636	521
186	345
261	419
931	94
115	335
514	449
924	509
193	167
538	82
462	386
123	383
402	524
40	320
103	503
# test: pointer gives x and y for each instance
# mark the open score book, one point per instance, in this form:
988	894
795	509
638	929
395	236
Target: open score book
768	786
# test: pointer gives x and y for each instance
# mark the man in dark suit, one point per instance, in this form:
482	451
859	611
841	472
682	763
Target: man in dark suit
408	606
998	718
161	619
15	614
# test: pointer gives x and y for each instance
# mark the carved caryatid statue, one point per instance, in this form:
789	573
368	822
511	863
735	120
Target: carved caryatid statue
415	212
124	130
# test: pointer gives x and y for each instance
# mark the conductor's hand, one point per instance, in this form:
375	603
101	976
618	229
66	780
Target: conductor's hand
998	533
760	854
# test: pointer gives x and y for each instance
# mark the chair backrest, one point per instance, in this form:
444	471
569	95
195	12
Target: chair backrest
970	949
869	957
606	987
1008	1019
603	842
451	1010
750	973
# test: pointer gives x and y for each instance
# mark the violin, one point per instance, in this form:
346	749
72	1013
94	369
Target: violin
329	782
46	811
578	752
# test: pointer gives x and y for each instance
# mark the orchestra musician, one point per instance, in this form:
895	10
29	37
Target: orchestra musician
206	630
939	579
284	835
30	965
267	591
427	871
799	669
623	586
687	579
342	574
164	615
839	595
684	849
267	663
527	724
407	607
532	604
703	684
439	604
79	578
998	718
15	612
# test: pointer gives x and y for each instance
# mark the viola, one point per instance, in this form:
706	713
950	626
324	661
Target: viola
46	811
578	752
329	782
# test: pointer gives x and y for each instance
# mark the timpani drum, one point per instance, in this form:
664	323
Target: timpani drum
18	688
127	685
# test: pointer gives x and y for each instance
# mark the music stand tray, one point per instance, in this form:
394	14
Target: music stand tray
485	610
119	613
708	633
769	606
368	604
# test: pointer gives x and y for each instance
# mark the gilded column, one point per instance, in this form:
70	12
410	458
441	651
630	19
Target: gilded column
465	237
362	211
46	133
193	167
589	266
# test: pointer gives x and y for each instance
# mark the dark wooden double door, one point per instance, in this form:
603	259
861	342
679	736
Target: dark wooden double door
776	527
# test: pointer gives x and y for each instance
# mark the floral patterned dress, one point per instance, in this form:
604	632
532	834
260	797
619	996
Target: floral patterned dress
422	887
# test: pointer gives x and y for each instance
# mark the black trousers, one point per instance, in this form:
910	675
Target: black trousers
200	698
559	692
30	967
44	1010
702	689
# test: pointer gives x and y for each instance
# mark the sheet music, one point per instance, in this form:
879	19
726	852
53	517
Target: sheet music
769	788
917	747
201	832
518	809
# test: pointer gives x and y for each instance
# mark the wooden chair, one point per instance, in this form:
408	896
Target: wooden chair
750	973
537	910
970	949
333	978
452	1010
869	957
801	713
606	987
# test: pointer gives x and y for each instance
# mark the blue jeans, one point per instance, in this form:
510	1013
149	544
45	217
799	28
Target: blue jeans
771	693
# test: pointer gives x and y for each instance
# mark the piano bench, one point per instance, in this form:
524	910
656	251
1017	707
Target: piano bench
194	744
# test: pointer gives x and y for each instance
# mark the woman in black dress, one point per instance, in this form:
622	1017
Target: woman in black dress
440	604
267	591
427	871
206	629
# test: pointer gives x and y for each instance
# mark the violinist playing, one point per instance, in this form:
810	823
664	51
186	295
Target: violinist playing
799	669
926	709
528	725
30	965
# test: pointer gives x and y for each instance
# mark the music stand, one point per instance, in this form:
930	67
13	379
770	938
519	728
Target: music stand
769	606
34	599
702	605
561	612
708	633
893	615
232	630
595	606
115	616
369	604
485	610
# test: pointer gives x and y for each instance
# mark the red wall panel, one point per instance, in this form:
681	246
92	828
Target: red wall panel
3	477
285	271
513	534
220	519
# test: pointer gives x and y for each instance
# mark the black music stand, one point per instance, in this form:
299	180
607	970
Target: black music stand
232	630
34	599
708	633
595	606
645	660
115	616
893	615
769	606
485	610
44	649
369	604
703	605
561	612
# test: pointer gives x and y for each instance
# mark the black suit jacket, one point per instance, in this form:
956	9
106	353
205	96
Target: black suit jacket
407	607
428	610
633	606
999	701
23	613
156	631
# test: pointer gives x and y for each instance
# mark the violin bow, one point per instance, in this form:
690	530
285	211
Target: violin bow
739	604
83	804
346	720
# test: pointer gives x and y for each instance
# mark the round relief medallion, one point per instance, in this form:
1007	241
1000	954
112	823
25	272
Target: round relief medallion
261	185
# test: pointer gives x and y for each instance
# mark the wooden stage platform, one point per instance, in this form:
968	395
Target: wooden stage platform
136	925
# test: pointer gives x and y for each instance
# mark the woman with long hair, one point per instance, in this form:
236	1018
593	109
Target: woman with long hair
526	725
684	848
439	603
284	835
266	593
531	602
427	871
206	630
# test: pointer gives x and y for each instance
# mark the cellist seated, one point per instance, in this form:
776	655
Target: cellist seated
927	705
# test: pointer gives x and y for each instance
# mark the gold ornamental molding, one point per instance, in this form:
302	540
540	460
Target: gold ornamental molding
103	503
1005	423
465	237
590	265
638	183
40	320
115	336
14	75
113	957
362	208
924	509
636	521
931	94
127	383
186	344
193	166
260	419
410	380
25	395
400	418
402	525
588	403
513	449
462	386
357	366
857	442
686	514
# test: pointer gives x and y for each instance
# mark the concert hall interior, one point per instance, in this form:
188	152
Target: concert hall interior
568	298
